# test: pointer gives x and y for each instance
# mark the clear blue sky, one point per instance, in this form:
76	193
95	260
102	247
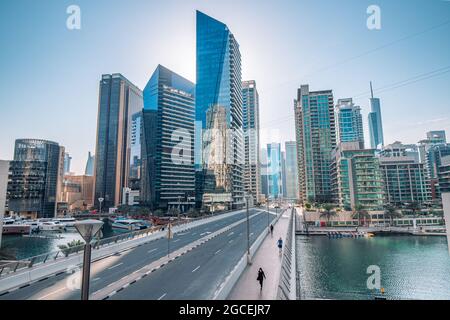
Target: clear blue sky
49	74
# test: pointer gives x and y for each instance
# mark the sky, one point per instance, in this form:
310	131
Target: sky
49	75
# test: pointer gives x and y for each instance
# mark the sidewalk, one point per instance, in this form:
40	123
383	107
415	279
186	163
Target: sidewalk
267	258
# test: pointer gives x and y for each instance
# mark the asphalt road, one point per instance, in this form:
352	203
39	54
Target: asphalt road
197	274
107	271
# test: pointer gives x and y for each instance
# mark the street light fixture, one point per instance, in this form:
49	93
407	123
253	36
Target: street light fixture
100	200
87	229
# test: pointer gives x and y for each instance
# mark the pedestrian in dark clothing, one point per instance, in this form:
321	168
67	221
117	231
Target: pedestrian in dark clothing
261	277
271	229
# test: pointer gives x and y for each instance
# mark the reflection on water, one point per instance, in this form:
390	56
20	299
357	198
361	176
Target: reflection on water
23	247
411	267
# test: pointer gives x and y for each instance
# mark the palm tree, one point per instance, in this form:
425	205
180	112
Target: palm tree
391	212
361	214
328	211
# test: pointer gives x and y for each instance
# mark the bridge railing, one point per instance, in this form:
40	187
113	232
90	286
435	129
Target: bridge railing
287	286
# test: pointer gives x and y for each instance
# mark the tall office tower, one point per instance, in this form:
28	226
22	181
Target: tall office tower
356	177
119	100
250	108
274	174
283	173
218	111
67	161
375	122
405	178
89	171
168	174
291	185
349	121
36	176
434	155
264	173
436	137
316	139
135	152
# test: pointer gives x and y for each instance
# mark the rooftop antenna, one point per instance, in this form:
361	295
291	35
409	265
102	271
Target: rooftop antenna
371	89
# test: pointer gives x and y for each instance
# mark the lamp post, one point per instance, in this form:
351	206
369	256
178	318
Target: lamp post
268	217
100	200
247	197
87	229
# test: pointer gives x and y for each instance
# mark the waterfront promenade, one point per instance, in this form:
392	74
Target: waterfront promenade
267	258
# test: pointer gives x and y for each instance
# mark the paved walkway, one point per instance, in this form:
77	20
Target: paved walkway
267	258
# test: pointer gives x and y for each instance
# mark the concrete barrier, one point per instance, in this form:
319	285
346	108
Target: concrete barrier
287	286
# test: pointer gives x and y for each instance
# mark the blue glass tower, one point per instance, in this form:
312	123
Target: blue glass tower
218	115
275	178
375	123
350	124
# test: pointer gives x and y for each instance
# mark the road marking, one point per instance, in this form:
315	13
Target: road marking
150	251
230	241
119	264
95	279
162	296
194	233
218	251
231	233
52	293
251	234
196	269
176	240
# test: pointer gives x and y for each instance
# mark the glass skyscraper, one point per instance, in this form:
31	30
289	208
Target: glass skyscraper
316	139
275	175
349	120
119	100
375	123
89	170
252	169
291	186
168	175
36	178
219	144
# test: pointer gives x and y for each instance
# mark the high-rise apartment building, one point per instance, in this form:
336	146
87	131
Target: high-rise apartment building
219	143
291	172
349	121
119	100
375	122
316	139
275	174
67	162
252	167
36	176
168	174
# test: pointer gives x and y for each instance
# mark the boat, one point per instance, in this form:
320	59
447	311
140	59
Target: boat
51	226
34	225
10	226
69	222
129	224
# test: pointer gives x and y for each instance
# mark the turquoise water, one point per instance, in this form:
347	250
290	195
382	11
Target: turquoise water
411	267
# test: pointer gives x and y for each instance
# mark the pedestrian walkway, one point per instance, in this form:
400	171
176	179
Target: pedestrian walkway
267	258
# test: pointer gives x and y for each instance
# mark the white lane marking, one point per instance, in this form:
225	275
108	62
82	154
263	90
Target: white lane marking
218	251
95	279
196	269
176	240
231	233
150	251
119	264
162	296
52	293
230	241
251	234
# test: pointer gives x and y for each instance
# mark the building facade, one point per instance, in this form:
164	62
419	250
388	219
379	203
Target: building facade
4	175
36	176
356	177
67	162
168	174
316	139
89	170
275	174
252	167
349	121
375	122
219	142
119	100
444	175
291	176
405	177
78	192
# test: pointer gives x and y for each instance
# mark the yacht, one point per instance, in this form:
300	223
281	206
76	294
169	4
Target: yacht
51	226
10	226
129	224
67	221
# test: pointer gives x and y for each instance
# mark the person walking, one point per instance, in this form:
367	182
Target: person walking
280	245
261	277
271	230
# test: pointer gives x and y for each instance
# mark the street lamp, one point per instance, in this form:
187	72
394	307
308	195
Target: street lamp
268	217
87	229
100	200
247	197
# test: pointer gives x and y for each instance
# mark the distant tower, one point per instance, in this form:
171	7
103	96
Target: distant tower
375	122
67	161
89	171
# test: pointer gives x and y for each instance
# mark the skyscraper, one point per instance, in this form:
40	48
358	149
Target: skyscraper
349	120
264	172
375	122
219	143
35	182
168	174
275	175
89	171
67	161
316	139
119	100
250	108
283	173
291	186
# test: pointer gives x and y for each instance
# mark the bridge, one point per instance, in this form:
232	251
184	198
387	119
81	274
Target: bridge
207	260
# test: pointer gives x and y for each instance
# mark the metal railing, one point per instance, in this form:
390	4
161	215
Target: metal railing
288	280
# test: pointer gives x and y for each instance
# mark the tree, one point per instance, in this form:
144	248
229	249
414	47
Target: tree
391	213
361	214
158	213
415	207
308	206
173	211
328	211
71	247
